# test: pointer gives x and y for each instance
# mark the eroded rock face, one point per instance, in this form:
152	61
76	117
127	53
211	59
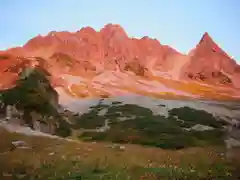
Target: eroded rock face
236	80
87	49
209	63
89	53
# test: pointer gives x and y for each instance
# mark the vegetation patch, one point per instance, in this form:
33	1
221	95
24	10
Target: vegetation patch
33	94
192	116
155	130
60	160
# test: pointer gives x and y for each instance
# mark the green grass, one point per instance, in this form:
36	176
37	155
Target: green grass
75	170
72	160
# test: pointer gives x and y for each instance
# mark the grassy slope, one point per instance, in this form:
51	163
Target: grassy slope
60	159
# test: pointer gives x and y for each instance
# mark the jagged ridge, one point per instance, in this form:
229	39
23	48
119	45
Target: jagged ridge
88	53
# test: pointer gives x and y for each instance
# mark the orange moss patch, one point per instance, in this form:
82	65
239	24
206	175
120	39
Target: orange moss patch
204	91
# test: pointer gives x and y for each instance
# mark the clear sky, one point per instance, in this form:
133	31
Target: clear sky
178	23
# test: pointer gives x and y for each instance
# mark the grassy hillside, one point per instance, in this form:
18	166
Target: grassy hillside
59	159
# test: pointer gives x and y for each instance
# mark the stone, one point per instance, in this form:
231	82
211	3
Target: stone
20	144
122	148
89	149
7	174
200	127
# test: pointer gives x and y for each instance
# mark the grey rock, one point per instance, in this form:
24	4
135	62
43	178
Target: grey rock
122	148
20	144
200	127
232	143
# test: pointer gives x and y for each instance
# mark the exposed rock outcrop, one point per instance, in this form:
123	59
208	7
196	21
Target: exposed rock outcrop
209	63
91	54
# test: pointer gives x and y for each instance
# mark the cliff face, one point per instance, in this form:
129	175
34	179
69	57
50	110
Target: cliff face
109	62
108	49
209	63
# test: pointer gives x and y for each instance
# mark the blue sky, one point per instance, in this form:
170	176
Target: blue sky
178	23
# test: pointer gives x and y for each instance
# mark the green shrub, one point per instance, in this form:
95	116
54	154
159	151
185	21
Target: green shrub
89	120
32	92
154	130
194	116
63	131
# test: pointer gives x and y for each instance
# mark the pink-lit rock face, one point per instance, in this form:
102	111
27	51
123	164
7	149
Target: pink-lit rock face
110	49
209	63
111	63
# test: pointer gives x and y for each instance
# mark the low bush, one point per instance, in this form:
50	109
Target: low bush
63	131
159	131
193	116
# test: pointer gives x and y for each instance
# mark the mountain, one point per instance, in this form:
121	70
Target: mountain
108	49
209	63
90	63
